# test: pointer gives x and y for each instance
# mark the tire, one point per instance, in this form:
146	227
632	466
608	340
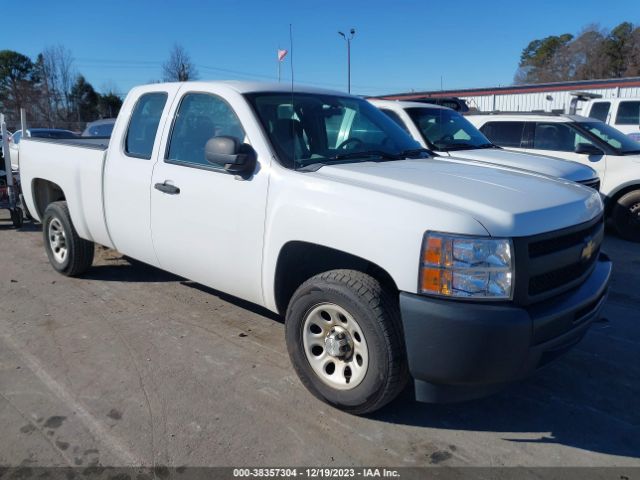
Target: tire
17	218
68	253
376	360
626	216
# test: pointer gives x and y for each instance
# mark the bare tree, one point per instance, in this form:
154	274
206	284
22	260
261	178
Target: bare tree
179	67
58	75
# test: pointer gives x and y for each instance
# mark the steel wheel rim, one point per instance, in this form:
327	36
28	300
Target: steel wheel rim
634	214
321	326
58	240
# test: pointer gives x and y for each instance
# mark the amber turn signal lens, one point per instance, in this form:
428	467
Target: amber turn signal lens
435	280
433	251
431	280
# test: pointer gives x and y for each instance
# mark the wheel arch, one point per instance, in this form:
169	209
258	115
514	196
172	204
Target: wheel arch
613	198
300	260
44	193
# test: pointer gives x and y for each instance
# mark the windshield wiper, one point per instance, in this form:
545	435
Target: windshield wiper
413	152
365	154
457	146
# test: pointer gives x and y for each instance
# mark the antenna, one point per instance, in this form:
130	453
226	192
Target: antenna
291	54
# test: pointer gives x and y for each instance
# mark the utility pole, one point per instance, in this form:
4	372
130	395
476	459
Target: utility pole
348	39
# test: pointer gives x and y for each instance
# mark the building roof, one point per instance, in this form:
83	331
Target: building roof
531	88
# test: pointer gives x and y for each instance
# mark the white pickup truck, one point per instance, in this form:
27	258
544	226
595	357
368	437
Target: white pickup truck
387	264
447	133
621	113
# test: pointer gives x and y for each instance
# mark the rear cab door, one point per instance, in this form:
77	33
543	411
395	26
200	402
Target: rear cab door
132	154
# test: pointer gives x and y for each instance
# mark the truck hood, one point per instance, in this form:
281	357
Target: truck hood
506	202
554	167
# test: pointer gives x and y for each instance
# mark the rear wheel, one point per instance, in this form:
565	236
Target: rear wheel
626	216
68	253
345	340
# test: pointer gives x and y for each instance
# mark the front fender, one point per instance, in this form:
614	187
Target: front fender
382	228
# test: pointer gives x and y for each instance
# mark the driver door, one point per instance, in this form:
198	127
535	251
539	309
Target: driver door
207	224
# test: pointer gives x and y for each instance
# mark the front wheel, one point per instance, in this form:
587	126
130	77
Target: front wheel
68	253
345	340
626	216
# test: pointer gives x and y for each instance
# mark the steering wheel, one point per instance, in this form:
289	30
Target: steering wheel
349	141
445	139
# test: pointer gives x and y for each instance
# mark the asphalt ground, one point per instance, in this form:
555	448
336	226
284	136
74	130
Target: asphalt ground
130	365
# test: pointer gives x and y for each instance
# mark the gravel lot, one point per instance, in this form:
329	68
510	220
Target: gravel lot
133	366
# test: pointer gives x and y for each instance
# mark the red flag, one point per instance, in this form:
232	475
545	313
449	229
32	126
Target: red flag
282	54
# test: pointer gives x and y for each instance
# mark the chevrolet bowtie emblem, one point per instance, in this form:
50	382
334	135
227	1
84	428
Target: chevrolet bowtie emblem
588	250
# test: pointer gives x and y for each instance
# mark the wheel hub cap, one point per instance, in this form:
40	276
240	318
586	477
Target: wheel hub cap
338	342
335	346
57	240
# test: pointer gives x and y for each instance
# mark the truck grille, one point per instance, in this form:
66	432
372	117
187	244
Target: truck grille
556	262
593	183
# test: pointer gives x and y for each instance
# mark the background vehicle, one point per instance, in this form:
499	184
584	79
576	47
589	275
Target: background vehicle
316	205
621	113
51	133
614	155
454	103
448	133
99	128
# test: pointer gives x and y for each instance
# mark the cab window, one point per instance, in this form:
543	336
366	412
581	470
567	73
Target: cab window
600	110
200	117
628	113
143	125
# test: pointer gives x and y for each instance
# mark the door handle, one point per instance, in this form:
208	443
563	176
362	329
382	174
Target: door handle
167	188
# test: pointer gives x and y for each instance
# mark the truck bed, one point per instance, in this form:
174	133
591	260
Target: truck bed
75	166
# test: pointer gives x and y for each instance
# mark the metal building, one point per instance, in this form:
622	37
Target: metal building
545	97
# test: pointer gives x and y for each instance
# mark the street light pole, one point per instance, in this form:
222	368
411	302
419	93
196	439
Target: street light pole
348	39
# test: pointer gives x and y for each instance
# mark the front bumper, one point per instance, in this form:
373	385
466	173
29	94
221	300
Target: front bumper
460	350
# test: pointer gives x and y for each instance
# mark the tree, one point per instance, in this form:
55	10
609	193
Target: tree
179	67
618	47
594	53
17	79
536	61
85	100
109	105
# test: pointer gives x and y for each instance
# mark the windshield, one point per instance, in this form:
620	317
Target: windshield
620	142
314	130
445	129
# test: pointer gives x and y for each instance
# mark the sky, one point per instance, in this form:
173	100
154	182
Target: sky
399	45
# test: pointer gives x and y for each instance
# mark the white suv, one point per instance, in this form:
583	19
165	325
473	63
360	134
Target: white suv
615	156
448	134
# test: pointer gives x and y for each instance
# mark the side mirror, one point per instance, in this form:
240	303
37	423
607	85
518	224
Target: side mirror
588	149
236	157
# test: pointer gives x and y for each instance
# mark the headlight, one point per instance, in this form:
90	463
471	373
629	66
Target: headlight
464	266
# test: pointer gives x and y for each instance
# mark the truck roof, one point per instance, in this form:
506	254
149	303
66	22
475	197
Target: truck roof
241	86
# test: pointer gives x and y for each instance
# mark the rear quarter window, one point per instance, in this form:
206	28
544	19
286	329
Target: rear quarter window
600	110
143	125
504	134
